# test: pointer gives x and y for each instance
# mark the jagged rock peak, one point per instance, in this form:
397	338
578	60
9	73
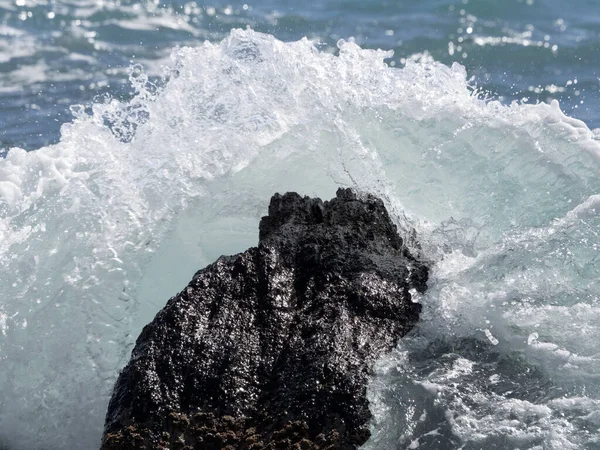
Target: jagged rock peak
362	215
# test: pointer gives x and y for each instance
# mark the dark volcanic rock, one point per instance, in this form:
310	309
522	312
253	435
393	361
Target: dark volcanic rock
273	347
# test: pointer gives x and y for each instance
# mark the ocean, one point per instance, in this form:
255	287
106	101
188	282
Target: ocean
140	140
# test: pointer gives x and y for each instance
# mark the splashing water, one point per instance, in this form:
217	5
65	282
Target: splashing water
97	231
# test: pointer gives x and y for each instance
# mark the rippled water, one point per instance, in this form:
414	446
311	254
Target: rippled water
54	54
166	150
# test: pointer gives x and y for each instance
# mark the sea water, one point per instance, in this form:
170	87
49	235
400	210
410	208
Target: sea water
141	140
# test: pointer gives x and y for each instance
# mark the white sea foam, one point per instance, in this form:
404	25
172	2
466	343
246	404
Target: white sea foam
99	230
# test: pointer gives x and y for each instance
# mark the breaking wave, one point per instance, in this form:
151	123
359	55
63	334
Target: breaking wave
99	230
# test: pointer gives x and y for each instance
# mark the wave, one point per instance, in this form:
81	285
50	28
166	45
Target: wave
97	231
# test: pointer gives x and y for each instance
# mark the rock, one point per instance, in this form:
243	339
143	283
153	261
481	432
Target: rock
272	348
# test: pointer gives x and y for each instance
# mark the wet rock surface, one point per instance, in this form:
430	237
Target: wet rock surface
273	347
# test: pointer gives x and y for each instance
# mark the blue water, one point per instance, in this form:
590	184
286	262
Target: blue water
54	54
142	140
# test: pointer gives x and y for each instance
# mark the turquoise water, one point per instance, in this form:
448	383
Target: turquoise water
143	140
